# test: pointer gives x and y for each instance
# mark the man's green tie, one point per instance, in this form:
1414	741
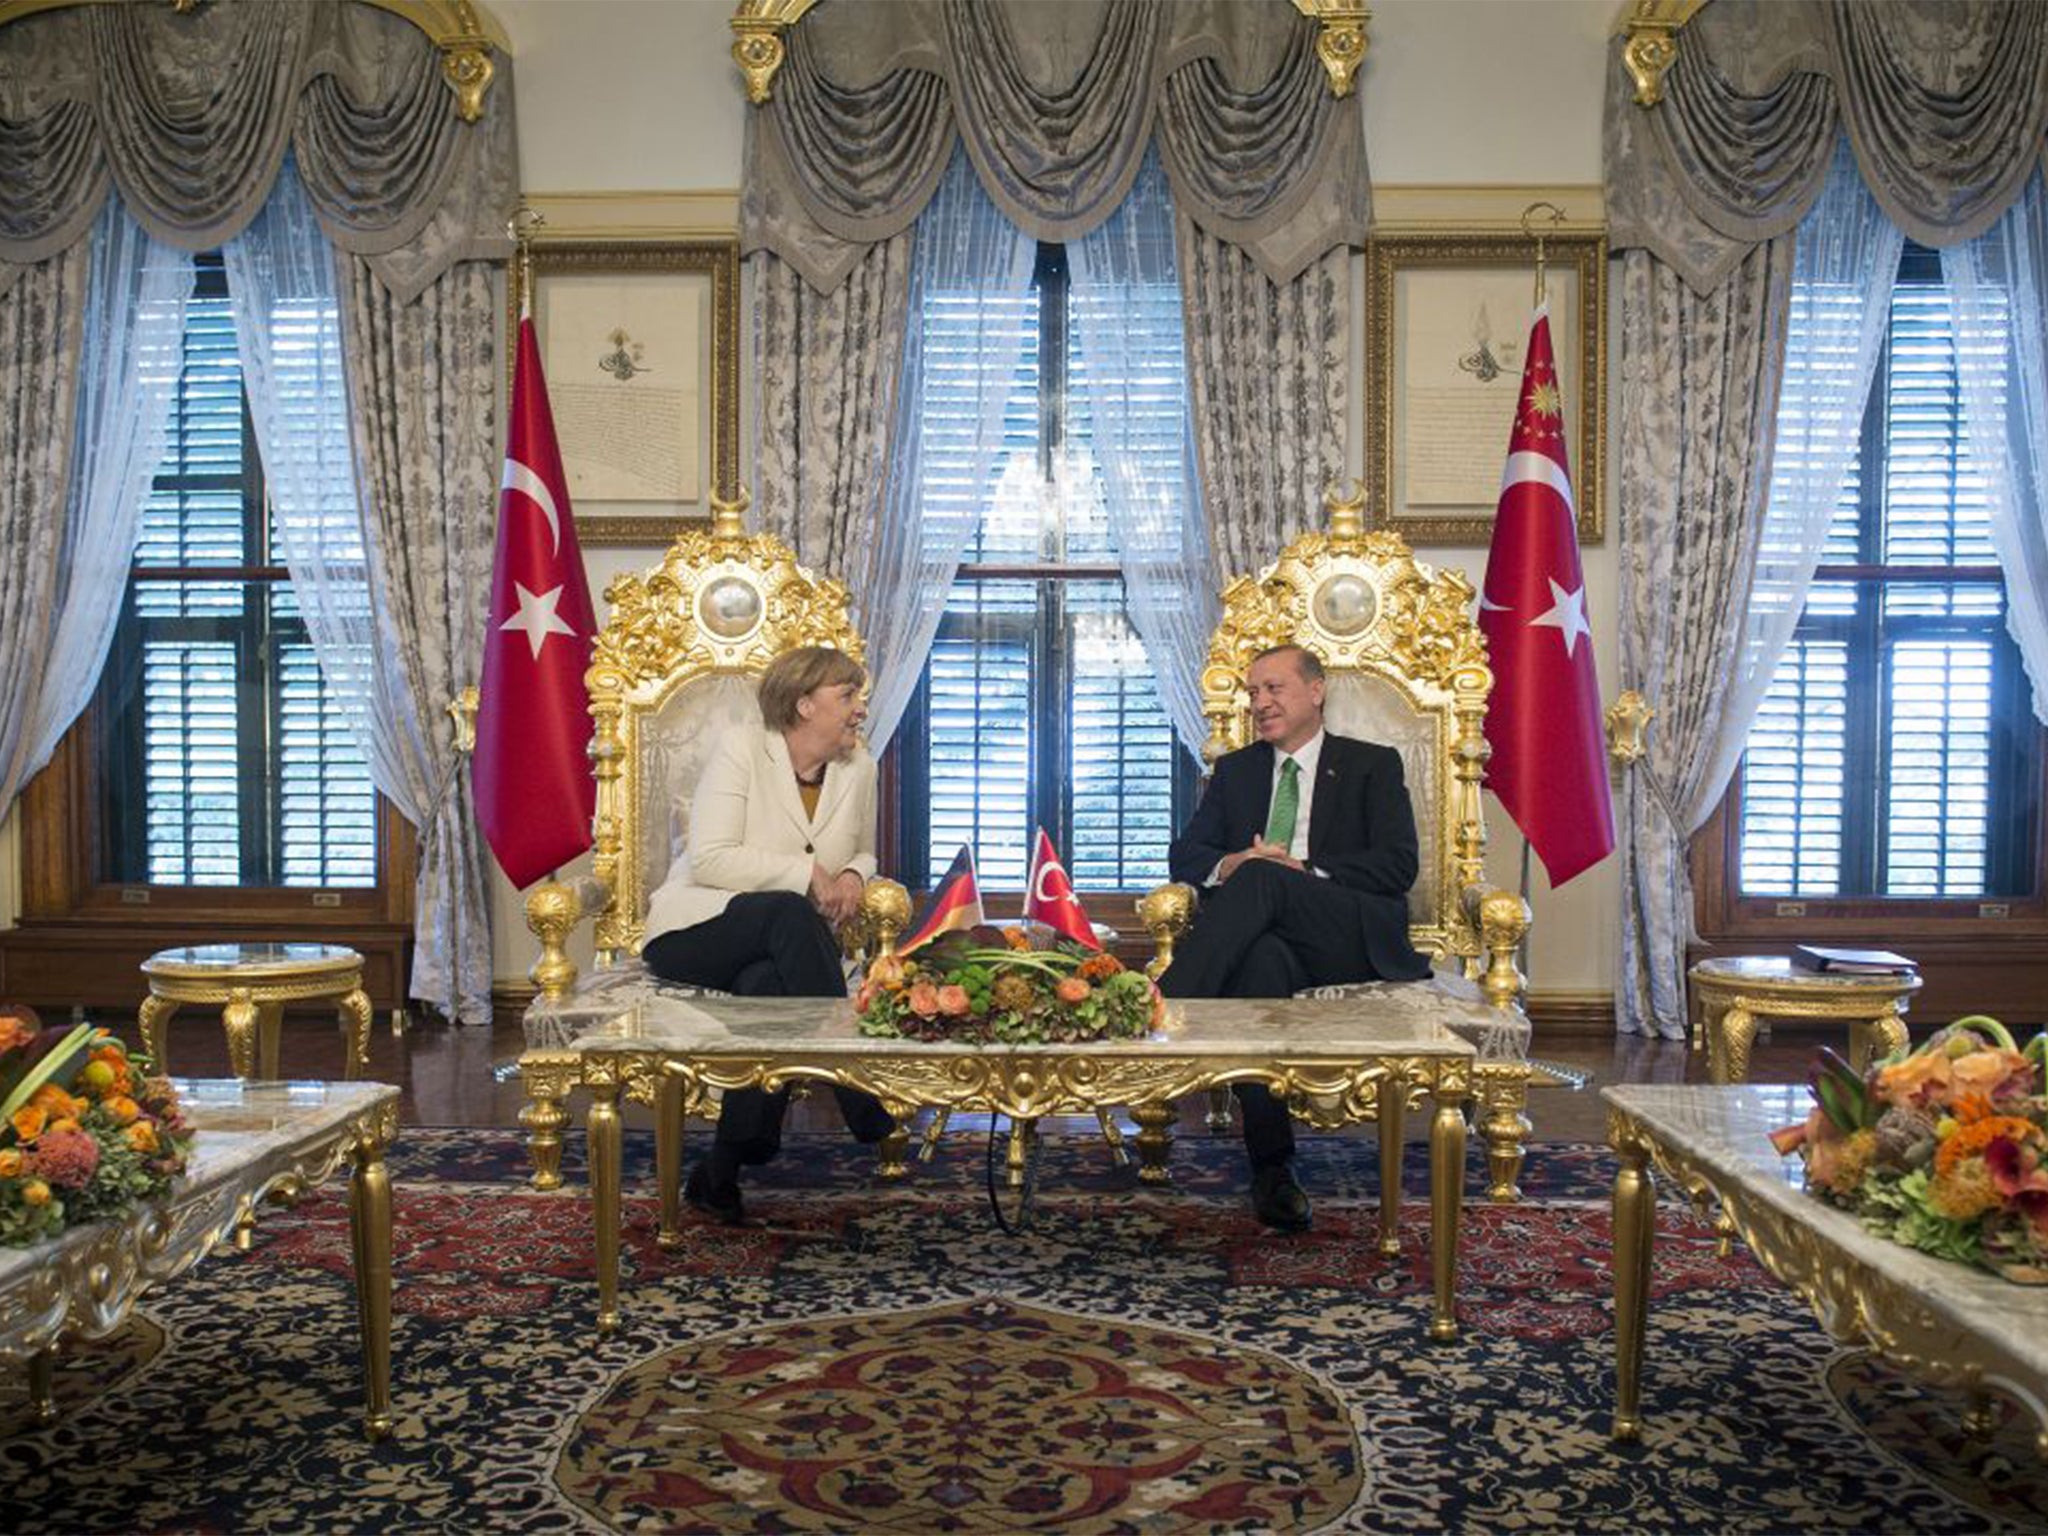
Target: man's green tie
1286	803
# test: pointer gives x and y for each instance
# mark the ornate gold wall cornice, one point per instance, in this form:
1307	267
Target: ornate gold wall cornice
758	49
466	33
1652	28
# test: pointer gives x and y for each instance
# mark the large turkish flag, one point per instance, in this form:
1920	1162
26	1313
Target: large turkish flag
1549	762
535	793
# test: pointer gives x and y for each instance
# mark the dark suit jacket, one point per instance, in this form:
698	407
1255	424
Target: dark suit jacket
1361	834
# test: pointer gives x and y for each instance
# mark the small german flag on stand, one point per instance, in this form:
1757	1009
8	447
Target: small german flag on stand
956	904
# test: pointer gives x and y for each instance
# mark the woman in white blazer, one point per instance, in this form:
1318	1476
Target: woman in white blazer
782	843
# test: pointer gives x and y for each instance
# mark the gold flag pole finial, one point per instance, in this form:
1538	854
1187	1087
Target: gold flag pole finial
1529	231
519	230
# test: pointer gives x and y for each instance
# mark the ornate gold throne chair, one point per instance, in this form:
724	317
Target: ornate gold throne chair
676	663
1406	666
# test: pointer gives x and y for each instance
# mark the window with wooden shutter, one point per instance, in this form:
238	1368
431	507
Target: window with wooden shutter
1038	706
1895	757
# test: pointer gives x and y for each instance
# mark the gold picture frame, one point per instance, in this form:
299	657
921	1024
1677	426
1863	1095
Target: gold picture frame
1448	321
640	341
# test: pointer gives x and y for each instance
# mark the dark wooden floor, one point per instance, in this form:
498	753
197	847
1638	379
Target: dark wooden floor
448	1079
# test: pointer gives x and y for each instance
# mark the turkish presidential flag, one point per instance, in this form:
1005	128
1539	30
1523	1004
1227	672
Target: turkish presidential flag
535	793
1049	897
1549	762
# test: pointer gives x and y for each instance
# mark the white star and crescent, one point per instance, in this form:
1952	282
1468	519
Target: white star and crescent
1567	615
536	618
521	478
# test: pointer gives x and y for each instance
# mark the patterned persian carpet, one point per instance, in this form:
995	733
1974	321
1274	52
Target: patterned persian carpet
884	1358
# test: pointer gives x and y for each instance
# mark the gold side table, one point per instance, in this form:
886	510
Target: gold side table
251	984
1735	991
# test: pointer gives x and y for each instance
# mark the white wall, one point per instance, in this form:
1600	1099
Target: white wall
640	96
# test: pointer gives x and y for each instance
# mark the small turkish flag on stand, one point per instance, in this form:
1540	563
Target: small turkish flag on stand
535	793
1049	896
1549	763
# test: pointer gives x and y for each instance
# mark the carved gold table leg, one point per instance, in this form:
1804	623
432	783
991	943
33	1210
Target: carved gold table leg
544	1117
42	1397
892	1152
929	1147
1729	1044
1635	1229
1114	1135
238	1018
1504	1123
155	1019
1393	1099
1155	1140
604	1194
1446	1208
1219	1111
1875	1039
369	1202
355	1020
669	1098
269	1033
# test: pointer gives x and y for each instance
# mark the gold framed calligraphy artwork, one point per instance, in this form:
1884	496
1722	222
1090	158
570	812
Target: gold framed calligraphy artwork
640	343
1449	317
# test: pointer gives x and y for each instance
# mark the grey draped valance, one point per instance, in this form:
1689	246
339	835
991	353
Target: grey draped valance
1944	102
189	117
1056	102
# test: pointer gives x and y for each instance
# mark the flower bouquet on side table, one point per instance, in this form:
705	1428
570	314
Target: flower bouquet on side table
991	986
1944	1149
83	1135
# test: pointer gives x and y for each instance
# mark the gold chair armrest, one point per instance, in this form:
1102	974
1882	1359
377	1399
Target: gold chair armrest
1167	911
1502	921
553	909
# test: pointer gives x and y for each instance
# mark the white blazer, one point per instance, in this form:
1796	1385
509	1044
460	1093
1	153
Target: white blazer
748	830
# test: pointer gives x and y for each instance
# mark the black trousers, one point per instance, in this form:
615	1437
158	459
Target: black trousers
764	944
1269	931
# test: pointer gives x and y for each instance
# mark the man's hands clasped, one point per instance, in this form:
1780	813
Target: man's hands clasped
1260	849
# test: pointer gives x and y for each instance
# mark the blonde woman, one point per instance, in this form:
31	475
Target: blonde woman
782	842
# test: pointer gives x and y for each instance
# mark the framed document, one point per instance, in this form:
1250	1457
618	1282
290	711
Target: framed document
640	342
1449	319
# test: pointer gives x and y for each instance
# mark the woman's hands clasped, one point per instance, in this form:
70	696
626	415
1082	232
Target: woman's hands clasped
837	896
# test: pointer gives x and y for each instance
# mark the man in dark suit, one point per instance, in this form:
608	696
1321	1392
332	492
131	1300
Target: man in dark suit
1303	849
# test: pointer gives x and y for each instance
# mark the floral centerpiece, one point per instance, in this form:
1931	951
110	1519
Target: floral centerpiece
1944	1149
990	985
83	1134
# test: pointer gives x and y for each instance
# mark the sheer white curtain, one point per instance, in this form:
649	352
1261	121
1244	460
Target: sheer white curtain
134	327
282	288
1845	257
2000	287
1129	343
969	289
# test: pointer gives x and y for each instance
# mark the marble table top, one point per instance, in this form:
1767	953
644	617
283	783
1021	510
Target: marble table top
249	1134
1725	1130
1778	971
1278	1026
250	960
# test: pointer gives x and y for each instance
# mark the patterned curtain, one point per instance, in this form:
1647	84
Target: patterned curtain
1269	386
423	379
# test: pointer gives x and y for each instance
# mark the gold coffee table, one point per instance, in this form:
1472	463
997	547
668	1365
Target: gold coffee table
251	984
1735	991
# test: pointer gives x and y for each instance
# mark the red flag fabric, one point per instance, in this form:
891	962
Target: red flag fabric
535	793
956	904
1049	896
1549	762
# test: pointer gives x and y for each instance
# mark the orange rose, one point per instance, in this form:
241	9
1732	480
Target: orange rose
56	1102
1072	989
954	1000
29	1122
142	1136
10	1163
887	971
1982	1071
122	1108
924	999
35	1192
67	1123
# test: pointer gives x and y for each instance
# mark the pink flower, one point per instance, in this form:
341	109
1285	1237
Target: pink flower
865	996
67	1159
954	1001
924	999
